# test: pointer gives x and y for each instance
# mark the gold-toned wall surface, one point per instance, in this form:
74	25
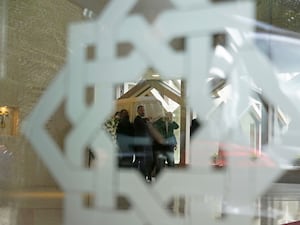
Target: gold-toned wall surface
36	50
280	13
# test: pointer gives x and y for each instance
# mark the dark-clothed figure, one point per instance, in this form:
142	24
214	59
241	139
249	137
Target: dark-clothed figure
143	143
125	133
165	152
195	124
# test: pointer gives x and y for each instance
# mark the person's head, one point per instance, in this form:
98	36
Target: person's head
141	110
117	115
169	116
124	114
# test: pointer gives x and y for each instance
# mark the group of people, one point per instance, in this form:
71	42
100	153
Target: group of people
146	144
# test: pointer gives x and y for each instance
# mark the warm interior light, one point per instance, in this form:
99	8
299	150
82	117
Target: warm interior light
3	113
155	75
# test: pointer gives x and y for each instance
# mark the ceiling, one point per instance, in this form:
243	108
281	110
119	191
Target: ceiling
95	5
149	9
279	13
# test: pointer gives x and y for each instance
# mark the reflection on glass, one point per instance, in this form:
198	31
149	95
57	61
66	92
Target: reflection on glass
147	119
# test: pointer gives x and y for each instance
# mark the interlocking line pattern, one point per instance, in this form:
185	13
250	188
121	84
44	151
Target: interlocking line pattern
195	21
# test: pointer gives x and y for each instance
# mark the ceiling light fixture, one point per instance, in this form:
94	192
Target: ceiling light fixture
3	114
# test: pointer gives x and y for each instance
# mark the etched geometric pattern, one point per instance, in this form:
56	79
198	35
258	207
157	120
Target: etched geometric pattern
195	21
